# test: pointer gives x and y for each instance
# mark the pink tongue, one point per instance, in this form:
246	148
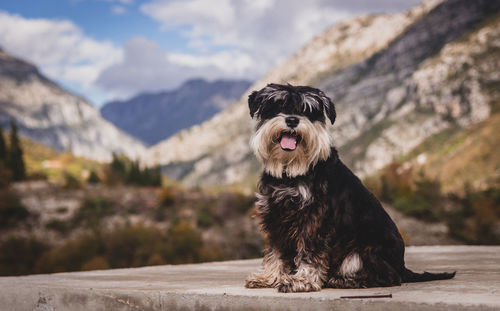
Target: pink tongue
288	142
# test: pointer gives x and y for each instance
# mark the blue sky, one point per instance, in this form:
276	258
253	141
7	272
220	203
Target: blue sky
106	49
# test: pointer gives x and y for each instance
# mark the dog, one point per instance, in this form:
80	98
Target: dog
323	227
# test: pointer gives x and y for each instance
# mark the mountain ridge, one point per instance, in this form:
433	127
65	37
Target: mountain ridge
152	117
49	114
381	115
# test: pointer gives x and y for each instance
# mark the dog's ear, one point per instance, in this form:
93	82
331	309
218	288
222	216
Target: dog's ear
329	107
254	103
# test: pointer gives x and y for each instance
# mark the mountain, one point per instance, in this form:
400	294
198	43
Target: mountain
49	114
156	116
396	80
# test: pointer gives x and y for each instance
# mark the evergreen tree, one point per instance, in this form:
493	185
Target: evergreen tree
134	175
15	161
93	178
118	166
3	147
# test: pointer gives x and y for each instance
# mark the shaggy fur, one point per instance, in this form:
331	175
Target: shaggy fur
324	228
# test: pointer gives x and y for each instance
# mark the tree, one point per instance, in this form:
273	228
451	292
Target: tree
93	178
135	176
3	147
15	159
118	166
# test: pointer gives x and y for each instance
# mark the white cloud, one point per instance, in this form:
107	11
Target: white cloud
58	47
118	10
228	38
145	67
232	63
119	1
213	13
266	31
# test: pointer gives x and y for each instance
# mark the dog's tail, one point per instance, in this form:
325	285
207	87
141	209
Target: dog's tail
410	276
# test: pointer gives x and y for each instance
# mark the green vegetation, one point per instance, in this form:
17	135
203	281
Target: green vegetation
3	147
71	182
416	196
477	217
15	161
12	167
124	246
20	255
93	178
92	211
461	157
46	163
122	170
169	232
472	217
12	212
58	225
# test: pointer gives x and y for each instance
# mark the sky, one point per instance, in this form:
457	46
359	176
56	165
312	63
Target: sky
114	49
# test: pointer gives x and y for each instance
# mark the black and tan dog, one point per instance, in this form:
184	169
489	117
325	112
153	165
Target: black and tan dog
324	228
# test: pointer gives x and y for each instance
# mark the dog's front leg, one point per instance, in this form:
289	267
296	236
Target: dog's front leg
272	272
310	275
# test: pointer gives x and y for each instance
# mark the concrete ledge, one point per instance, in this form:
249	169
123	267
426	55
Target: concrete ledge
219	286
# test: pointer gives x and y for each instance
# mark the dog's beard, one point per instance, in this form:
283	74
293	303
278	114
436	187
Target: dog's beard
313	145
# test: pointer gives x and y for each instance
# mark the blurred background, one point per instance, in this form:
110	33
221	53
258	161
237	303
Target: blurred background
124	126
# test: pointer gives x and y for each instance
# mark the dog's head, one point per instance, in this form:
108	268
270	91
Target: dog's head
291	134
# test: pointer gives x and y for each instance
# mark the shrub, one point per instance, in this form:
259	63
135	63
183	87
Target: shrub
18	255
155	260
58	225
93	210
131	245
12	212
205	217
167	202
96	263
93	178
477	217
38	176
183	244
231	204
62	210
416	206
167	196
71	182
395	182
71	256
5	176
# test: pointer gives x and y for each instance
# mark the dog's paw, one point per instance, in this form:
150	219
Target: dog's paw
345	283
297	286
253	283
257	281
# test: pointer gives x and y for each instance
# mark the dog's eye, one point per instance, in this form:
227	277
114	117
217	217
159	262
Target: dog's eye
314	115
269	111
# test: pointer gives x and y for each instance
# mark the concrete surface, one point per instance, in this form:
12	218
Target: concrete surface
219	286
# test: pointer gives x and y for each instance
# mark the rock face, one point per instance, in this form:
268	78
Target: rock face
55	117
155	117
395	80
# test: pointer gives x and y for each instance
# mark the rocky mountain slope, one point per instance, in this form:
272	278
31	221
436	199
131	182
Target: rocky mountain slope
55	117
395	79
157	116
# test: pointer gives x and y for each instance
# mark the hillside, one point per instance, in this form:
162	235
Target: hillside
462	159
67	222
396	80
154	117
49	114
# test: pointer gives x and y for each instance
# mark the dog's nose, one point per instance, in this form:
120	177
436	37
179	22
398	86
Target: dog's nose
292	121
